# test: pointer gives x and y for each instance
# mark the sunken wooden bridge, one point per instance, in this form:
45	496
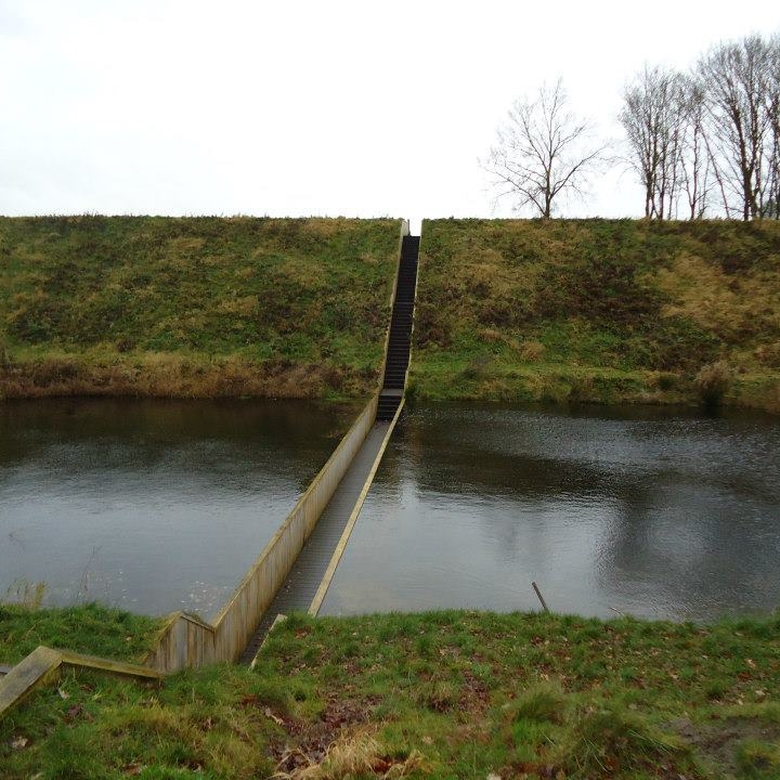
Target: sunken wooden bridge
295	569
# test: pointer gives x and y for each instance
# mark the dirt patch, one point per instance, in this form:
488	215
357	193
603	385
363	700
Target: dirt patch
475	696
717	743
307	743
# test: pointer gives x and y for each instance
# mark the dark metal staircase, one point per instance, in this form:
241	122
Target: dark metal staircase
400	340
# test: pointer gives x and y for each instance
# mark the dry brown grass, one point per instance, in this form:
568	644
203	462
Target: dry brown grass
168	375
756	392
245	306
768	354
737	307
183	244
357	754
490	335
532	351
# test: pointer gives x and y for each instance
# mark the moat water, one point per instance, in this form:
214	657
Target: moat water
645	511
151	506
155	506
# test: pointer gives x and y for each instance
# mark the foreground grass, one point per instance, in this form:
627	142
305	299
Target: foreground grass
450	694
599	310
197	307
91	629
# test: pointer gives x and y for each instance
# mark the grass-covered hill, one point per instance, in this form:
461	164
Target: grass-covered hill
556	310
194	307
599	310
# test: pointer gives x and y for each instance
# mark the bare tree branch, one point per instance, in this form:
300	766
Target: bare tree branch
738	79
542	151
654	119
772	208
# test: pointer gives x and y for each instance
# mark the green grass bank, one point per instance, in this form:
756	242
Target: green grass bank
195	307
91	629
438	695
561	311
597	310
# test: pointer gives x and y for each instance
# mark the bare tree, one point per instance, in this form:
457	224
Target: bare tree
542	151
772	205
737	82
654	117
695	168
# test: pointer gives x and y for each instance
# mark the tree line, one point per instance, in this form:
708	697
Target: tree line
704	142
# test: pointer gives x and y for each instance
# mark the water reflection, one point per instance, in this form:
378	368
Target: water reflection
151	505
647	511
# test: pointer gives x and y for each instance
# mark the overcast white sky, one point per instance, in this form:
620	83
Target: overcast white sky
301	108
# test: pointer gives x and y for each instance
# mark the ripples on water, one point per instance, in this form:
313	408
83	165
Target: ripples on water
151	505
157	506
645	511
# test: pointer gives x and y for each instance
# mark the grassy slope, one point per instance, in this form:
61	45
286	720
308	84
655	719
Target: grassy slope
444	695
193	307
597	310
91	629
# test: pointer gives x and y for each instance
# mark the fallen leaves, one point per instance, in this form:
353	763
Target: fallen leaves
275	718
351	754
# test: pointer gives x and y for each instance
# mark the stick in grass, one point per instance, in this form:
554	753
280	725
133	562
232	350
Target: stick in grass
541	598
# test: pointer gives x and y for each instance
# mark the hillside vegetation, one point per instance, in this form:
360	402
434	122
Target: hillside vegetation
598	310
525	310
194	307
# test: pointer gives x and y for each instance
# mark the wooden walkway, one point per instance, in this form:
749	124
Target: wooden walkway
298	591
312	571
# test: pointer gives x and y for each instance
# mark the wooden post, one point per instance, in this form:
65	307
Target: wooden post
541	598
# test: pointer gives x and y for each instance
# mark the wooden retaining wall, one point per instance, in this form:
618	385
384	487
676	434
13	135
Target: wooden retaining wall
44	665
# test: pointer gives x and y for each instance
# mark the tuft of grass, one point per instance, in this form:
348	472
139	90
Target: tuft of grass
437	695
545	702
759	760
605	743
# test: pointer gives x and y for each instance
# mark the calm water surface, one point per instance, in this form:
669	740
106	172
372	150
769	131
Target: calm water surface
152	506
644	511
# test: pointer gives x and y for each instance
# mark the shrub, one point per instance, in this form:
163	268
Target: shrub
532	351
712	382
